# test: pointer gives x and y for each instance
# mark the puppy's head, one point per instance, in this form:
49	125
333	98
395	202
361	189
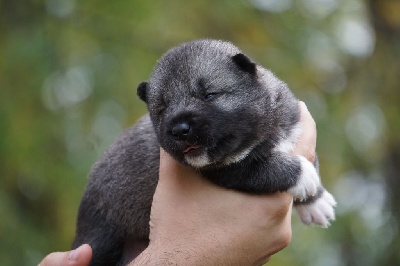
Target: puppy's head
206	103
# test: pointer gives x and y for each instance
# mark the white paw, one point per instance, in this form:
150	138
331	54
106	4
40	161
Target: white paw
308	181
319	212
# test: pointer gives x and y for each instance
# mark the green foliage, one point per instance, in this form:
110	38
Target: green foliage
68	76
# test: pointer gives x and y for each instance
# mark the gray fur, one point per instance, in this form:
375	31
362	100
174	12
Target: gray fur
213	109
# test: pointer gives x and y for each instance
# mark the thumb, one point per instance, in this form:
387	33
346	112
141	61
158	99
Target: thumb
80	256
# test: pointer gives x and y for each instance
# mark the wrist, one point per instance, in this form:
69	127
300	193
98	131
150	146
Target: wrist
166	255
182	254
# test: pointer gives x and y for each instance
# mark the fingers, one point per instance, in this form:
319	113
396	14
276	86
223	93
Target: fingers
78	257
306	144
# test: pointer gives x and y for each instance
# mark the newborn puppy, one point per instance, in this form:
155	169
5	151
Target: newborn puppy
215	110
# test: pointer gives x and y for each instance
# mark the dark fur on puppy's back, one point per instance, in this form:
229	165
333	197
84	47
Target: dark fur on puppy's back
214	109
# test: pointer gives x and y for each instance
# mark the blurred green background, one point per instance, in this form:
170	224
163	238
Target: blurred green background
68	76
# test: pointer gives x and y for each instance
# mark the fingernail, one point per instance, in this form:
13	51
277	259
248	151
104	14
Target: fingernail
73	256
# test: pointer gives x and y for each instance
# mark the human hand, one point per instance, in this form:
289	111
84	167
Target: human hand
78	257
195	222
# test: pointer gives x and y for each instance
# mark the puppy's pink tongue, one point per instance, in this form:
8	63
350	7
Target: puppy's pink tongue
189	148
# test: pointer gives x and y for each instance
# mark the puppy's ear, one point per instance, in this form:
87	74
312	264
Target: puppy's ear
142	91
245	63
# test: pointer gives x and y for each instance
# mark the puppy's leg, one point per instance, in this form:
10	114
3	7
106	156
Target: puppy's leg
277	171
317	208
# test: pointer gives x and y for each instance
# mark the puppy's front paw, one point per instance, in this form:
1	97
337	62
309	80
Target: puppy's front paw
308	181
319	212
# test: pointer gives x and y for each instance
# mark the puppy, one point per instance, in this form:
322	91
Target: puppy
215	110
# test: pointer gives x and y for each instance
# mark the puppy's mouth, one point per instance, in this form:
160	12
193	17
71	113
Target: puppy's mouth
190	149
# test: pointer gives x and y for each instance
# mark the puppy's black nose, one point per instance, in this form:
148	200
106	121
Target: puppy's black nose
181	130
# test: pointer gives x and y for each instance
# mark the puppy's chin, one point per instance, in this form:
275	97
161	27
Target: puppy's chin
198	160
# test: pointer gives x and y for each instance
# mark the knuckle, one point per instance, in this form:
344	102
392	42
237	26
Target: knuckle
310	155
282	239
286	238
